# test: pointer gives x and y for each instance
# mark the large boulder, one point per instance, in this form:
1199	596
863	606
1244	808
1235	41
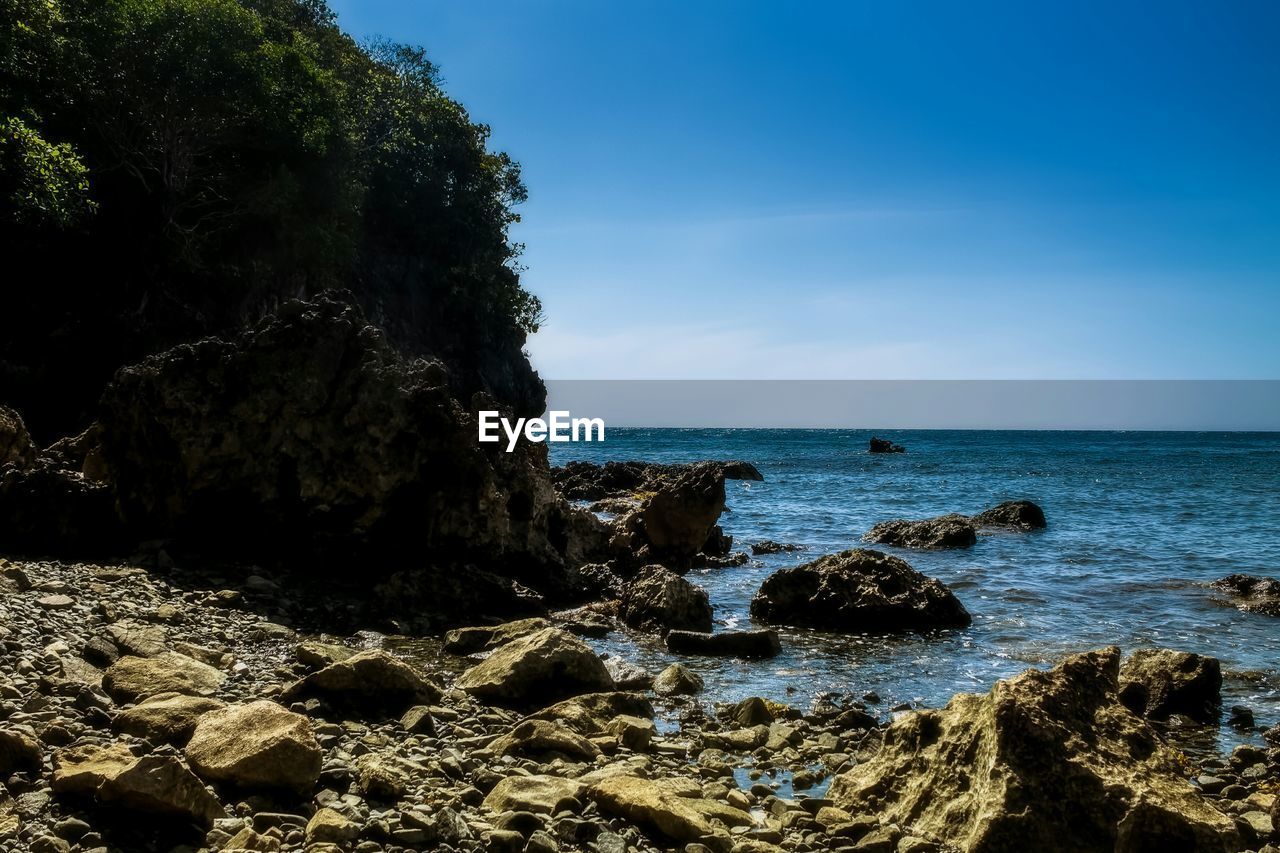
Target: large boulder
1252	594
945	531
855	591
310	436
660	600
545	795
548	665
166	718
15	442
659	808
132	678
1049	760
373	680
260	745
1012	515
1157	683
161	786
680	516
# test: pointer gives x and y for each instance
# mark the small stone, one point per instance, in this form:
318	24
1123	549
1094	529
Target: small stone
677	680
56	602
329	826
417	720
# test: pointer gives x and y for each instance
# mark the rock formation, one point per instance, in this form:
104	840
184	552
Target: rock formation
1157	683
857	590
1252	594
1045	761
591	482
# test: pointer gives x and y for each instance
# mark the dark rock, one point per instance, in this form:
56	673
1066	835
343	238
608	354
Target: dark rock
1014	515
678	519
857	590
659	600
50	510
1064	766
551	664
1253	594
1157	683
768	546
739	644
945	531
630	480
16	446
882	445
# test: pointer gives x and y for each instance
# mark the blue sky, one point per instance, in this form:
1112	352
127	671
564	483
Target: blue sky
882	190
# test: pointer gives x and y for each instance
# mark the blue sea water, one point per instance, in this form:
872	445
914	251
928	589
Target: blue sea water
1139	524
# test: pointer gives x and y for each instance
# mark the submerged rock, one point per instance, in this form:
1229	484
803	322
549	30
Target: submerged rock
883	445
1157	683
945	531
1252	594
768	546
550	664
659	600
739	644
1013	515
1045	761
857	590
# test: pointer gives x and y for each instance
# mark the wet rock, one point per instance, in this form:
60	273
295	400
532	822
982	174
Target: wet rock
768	546
16	446
883	445
258	746
539	794
857	590
740	644
162	786
166	718
371	680
131	678
1157	683
1065	766
1252	594
677	680
657	808
1012	515
945	531
466	641
550	664
659	600
545	740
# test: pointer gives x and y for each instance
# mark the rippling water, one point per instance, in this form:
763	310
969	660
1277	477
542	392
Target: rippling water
1138	524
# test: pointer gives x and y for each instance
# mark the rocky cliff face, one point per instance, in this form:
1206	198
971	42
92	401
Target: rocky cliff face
1045	761
310	436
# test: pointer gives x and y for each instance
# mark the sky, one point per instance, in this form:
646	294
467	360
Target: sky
978	190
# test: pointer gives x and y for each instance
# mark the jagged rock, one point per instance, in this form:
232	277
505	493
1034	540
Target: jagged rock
857	590
1045	761
466	641
659	599
418	720
258	745
166	718
311	436
19	752
738	644
625	480
373	680
591	713
768	546
545	795
79	770
658	808
550	664
16	446
883	445
945	531
634	733
132	678
380	776
680	516
50	510
328	826
544	740
677	680
162	786
1252	594
1014	515
1157	683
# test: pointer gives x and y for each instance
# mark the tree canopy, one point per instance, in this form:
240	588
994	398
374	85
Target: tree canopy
169	168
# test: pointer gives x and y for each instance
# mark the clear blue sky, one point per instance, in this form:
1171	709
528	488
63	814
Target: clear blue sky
882	190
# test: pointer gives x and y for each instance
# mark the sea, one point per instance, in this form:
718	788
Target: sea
1139	524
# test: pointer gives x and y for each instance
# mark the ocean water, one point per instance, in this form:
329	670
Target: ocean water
1139	524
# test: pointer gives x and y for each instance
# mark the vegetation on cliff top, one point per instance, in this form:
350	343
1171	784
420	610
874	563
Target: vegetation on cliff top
171	168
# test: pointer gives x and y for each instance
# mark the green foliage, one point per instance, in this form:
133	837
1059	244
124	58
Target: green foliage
42	184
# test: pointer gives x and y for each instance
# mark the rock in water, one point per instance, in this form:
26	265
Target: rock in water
659	599
1045	761
372	680
737	644
15	442
677	680
1013	515
1252	594
857	590
679	518
1157	683
945	531
551	664
256	746
310	436
883	445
